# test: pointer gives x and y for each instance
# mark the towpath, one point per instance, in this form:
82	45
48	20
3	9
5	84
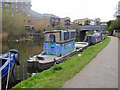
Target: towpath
101	72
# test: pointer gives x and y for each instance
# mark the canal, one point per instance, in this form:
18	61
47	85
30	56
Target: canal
26	49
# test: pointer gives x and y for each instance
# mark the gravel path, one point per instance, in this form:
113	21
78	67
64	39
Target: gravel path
101	72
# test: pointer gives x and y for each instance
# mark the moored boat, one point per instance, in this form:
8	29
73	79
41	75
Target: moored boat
59	45
81	45
7	62
93	38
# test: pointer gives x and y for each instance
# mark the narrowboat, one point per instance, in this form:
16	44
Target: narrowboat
7	62
94	38
59	45
59	42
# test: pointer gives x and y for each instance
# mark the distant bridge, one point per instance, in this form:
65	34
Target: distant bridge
85	28
94	27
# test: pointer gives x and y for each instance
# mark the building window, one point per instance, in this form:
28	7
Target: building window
28	21
24	14
48	26
21	4
12	5
16	5
57	22
6	5
67	22
29	15
26	3
48	20
86	22
24	20
27	7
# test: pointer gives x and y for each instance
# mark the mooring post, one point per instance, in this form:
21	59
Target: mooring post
54	61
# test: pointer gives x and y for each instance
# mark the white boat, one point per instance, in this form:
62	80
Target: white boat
81	45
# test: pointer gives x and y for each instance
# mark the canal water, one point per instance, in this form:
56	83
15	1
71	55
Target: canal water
26	49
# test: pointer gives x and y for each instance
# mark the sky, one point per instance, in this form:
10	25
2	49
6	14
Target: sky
77	9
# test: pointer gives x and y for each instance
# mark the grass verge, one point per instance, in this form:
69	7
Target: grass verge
52	78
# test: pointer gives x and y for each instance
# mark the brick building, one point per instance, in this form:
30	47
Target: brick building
18	6
34	21
81	22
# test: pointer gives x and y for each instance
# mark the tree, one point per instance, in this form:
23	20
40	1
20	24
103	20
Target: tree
60	27
76	27
13	23
113	25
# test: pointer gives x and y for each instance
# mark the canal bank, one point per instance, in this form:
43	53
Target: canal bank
101	72
53	78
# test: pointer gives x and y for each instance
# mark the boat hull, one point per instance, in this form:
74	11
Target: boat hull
5	69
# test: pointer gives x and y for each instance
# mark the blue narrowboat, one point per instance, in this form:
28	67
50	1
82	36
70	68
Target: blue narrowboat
7	62
59	42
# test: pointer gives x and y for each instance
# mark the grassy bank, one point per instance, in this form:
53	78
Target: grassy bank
52	78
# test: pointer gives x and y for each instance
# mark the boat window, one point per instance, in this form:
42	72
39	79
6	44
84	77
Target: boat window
52	38
88	38
72	35
94	39
66	35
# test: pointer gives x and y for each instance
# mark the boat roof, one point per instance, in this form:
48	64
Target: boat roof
54	31
96	33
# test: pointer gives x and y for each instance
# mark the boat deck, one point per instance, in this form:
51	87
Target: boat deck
48	58
81	44
43	62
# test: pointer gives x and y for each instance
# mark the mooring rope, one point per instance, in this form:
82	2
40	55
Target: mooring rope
4	55
8	72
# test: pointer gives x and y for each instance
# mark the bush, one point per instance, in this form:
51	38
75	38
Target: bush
56	67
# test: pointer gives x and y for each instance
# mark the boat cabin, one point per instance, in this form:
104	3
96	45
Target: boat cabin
59	42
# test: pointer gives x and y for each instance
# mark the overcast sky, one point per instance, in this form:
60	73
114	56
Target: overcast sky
77	9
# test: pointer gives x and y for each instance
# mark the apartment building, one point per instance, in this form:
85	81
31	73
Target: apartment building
97	21
67	21
44	21
18	6
32	19
87	21
81	22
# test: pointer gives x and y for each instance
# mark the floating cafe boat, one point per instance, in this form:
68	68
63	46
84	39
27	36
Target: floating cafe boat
59	45
7	63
